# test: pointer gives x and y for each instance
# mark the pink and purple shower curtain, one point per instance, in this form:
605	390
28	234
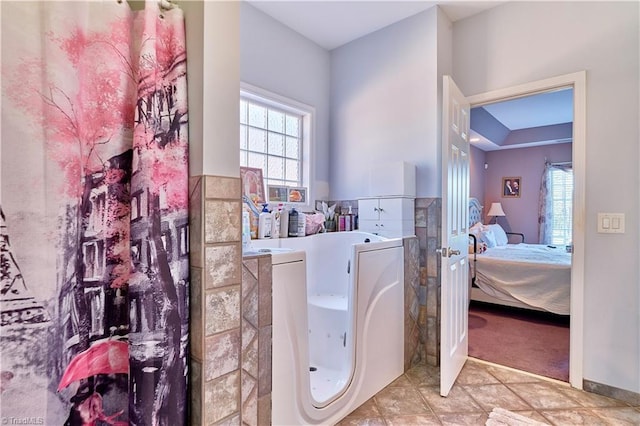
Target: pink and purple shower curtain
94	251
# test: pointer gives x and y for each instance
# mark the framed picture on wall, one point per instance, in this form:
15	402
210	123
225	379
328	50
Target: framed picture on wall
511	187
252	184
297	195
277	193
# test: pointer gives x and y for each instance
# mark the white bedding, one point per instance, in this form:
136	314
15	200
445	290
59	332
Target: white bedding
534	274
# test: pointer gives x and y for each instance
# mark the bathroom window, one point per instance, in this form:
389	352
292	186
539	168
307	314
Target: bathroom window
275	135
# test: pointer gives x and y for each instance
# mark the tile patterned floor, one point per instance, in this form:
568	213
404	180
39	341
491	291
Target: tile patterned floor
413	399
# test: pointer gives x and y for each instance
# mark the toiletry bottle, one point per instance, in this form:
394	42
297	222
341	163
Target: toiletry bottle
348	221
246	230
284	223
275	222
293	223
253	222
302	224
264	223
341	222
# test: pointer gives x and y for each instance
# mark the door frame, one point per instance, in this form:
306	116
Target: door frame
577	81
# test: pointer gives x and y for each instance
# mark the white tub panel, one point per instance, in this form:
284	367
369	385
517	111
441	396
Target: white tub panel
378	323
381	311
290	352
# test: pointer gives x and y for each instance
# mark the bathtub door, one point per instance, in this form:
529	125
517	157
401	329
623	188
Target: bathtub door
454	343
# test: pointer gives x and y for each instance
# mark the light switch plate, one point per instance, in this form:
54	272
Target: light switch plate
611	223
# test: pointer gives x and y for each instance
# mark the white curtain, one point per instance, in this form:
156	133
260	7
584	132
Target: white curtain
546	213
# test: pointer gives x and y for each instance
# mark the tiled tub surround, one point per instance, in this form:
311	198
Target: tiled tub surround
428	227
216	325
230	321
413	350
256	340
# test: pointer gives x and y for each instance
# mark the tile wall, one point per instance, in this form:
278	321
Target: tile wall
256	340
231	305
413	350
428	225
216	326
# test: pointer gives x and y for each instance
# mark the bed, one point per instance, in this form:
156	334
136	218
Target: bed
531	276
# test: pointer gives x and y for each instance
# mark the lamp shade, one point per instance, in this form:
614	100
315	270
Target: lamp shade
496	210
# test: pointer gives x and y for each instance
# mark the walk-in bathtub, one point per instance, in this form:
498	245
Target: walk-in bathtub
338	331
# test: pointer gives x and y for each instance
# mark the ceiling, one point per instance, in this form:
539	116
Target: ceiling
538	119
332	23
528	121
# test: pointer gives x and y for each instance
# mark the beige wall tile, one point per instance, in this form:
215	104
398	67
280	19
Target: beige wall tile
249	349
249	400
264	361
195	372
223	187
221	397
222	309
222	222
264	410
196	303
264	291
222	265
223	354
195	221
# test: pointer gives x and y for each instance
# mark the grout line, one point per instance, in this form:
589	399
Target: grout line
515	370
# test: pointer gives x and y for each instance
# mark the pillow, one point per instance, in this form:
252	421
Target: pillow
476	230
501	236
487	236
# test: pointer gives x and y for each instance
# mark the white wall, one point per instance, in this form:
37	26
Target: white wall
521	42
384	105
213	64
275	58
477	176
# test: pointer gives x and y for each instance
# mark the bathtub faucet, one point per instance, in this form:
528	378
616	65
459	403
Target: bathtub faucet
252	206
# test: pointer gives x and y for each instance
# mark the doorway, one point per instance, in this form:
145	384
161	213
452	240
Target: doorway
521	141
578	82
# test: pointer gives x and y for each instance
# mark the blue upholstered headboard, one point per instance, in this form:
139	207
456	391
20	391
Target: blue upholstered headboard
475	212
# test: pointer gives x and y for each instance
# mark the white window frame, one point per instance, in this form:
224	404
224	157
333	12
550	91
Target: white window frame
307	112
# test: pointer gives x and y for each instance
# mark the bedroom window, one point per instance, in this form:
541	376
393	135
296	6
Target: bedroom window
275	135
561	203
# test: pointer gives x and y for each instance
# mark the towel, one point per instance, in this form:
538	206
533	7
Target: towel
502	417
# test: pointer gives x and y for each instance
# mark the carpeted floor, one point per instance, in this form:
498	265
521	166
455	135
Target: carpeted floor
527	340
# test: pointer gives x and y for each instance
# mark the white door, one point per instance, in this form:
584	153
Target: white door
454	343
